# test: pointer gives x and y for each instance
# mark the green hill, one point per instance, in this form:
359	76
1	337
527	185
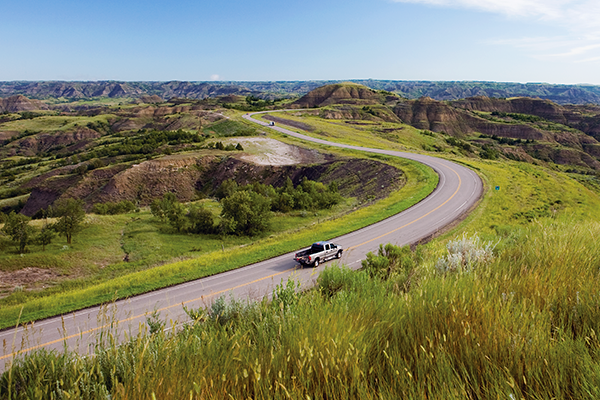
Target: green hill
503	306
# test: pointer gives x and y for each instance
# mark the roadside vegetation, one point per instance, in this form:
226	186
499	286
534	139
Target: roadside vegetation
246	210
120	255
504	305
518	321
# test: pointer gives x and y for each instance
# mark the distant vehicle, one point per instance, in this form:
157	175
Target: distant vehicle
318	253
271	123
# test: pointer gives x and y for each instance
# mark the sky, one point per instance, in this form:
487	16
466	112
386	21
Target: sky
552	41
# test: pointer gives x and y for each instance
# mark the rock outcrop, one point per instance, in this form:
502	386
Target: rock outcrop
187	176
342	93
21	103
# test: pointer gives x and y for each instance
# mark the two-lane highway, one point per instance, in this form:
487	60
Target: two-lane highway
458	190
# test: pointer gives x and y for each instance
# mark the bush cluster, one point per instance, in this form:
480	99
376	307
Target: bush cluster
523	326
110	208
147	142
517	116
308	195
465	254
221	146
459	143
69	213
246	210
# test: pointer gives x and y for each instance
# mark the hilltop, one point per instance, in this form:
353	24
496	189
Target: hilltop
560	94
527	129
340	93
20	103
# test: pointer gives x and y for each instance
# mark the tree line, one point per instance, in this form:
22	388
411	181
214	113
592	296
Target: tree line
247	209
69	214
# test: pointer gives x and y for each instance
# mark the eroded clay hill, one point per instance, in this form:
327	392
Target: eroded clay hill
21	103
342	93
192	176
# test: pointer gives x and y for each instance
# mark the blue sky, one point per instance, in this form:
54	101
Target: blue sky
554	41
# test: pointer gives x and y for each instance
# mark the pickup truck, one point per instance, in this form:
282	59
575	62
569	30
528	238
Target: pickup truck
319	252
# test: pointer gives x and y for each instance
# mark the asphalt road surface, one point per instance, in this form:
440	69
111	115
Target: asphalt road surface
458	191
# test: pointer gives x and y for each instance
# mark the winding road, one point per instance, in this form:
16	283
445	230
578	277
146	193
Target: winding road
458	191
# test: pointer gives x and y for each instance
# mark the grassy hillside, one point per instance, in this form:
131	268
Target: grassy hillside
95	258
519	320
518	323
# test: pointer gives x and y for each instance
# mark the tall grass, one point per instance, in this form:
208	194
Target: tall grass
522	324
127	279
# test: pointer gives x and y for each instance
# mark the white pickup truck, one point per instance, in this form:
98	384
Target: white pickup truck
319	252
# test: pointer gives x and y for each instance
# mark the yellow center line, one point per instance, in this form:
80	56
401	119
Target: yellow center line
421	217
139	316
229	289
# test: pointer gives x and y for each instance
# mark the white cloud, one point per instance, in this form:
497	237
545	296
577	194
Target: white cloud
551	10
215	77
577	20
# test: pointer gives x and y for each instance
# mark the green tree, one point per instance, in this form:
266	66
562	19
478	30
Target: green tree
201	219
45	237
70	214
285	203
176	216
245	213
329	196
226	189
302	200
18	228
160	207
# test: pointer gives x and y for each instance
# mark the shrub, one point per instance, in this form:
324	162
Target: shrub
201	219
70	215
245	213
108	208
334	279
161	207
176	216
226	312
286	296
465	254
226	189
45	237
393	263
18	228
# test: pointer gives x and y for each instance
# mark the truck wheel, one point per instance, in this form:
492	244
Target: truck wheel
316	264
338	255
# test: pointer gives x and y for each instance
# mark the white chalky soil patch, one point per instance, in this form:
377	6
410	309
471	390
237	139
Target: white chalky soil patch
266	151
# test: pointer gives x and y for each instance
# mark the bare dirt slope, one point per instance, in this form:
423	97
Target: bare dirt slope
341	93
193	175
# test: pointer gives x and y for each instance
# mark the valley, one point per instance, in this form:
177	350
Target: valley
523	261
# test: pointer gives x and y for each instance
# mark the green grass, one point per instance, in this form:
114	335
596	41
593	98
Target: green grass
522	325
527	193
101	281
369	134
13	201
53	123
228	127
